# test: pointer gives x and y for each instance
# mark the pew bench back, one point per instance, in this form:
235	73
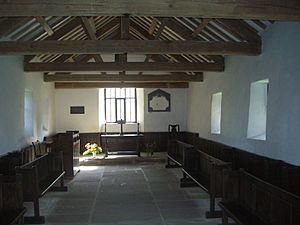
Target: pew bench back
11	200
176	150
248	198
38	176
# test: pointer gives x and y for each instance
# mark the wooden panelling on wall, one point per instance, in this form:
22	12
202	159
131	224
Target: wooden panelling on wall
89	138
158	139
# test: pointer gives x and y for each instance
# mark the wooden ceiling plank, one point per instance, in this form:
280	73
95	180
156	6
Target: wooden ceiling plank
238	9
130	46
129	66
41	20
119	85
62	77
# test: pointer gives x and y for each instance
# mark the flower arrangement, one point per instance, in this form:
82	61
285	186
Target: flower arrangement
91	148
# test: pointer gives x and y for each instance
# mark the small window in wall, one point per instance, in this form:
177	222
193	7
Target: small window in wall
257	121
216	107
28	113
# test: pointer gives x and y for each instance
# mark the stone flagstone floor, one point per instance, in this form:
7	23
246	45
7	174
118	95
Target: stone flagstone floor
141	194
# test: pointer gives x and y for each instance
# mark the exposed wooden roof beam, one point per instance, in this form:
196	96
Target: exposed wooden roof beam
91	21
62	77
183	31
130	66
120	85
45	25
157	35
200	27
153	26
124	35
130	46
90	32
238	9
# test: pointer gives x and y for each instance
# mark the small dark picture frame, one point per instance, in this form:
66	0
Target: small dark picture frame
77	110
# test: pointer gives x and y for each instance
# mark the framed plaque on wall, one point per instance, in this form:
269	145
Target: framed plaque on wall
159	101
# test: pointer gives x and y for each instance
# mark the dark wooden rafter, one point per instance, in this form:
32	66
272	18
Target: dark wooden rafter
124	35
45	25
183	31
129	66
205	32
71	25
153	25
157	35
260	24
85	58
221	31
239	9
240	29
62	77
90	32
101	33
72	85
200	27
10	24
157	58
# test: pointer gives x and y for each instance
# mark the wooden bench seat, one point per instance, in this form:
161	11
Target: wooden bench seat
38	177
206	172
249	200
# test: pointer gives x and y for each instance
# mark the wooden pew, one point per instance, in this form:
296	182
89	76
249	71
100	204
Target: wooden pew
249	200
11	200
207	172
176	153
38	177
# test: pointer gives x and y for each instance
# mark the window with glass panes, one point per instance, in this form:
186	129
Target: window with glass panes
120	104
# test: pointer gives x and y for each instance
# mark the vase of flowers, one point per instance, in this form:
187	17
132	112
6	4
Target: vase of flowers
92	149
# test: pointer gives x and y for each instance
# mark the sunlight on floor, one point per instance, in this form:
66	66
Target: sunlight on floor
88	168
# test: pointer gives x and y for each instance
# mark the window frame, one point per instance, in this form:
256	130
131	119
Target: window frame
115	98
216	113
258	110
